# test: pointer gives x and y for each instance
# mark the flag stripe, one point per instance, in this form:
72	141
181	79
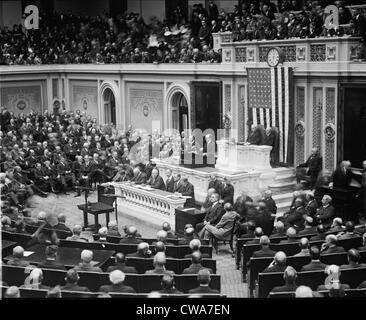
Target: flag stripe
280	123
273	86
286	110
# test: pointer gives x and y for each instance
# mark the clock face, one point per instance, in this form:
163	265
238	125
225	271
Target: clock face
273	57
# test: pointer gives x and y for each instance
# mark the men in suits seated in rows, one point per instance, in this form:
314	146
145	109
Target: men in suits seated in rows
291	236
265	251
354	258
212	216
168	285
159	263
258	233
195	246
330	245
131	236
76	232
120	264
18	258
315	263
51	259
117	277
279	230
207	203
156	181
204	279
349	232
295	216
85	264
313	166
72	278
103	233
223	228
196	265
289	276
337	226
143	251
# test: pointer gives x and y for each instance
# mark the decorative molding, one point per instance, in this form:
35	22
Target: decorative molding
227	55
330	132
317	116
21	99
300	129
241	113
289	53
250	55
331	53
301	53
354	53
227	91
241	54
317	52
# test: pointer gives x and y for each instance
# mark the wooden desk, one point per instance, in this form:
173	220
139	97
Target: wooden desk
187	216
7	247
69	257
95	208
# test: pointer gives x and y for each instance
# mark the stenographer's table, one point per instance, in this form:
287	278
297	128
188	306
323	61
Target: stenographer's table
147	204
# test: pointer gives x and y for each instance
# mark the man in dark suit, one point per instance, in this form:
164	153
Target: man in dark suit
51	257
18	258
263	218
256	136
330	245
295	217
291	236
321	233
270	203
279	231
72	278
120	264
196	265
350	232
156	181
326	212
215	183
131	236
354	258
258	233
309	227
169	183
143	251
159	265
61	224
168	285
139	176
227	191
315	263
64	175
342	176
195	246
186	189
188	236
117	277
278	264
314	165
265	252
213	214
203	279
311	205
289	276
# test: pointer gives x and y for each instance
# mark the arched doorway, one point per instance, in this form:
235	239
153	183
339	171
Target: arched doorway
179	109
109	103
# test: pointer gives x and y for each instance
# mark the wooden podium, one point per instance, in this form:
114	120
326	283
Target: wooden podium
187	216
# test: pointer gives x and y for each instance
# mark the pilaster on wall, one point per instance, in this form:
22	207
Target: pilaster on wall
300	125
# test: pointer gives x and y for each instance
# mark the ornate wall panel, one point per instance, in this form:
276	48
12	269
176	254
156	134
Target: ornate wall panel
146	107
300	126
288	51
329	130
84	97
241	54
21	98
317	52
317	117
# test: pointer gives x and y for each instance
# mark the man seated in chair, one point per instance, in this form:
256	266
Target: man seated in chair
51	259
120	264
116	278
196	265
204	279
289	276
18	258
223	229
86	262
195	246
168	229
72	278
76	232
212	216
313	165
143	251
168	285
156	181
131	236
159	265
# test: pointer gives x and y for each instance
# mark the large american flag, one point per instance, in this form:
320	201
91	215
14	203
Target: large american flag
270	102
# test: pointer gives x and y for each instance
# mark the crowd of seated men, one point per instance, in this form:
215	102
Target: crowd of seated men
117	268
127	38
49	152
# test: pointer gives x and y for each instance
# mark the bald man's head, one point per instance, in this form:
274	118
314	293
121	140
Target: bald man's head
159	259
304	243
195	244
161	235
131	231
142	247
166	226
280	258
189	232
303	292
204	277
18	252
86	256
290	275
196	257
291	233
258	232
264	241
120	257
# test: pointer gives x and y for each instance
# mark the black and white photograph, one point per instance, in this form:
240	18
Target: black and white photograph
178	149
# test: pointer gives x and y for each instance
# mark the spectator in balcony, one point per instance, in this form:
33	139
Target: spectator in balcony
213	11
